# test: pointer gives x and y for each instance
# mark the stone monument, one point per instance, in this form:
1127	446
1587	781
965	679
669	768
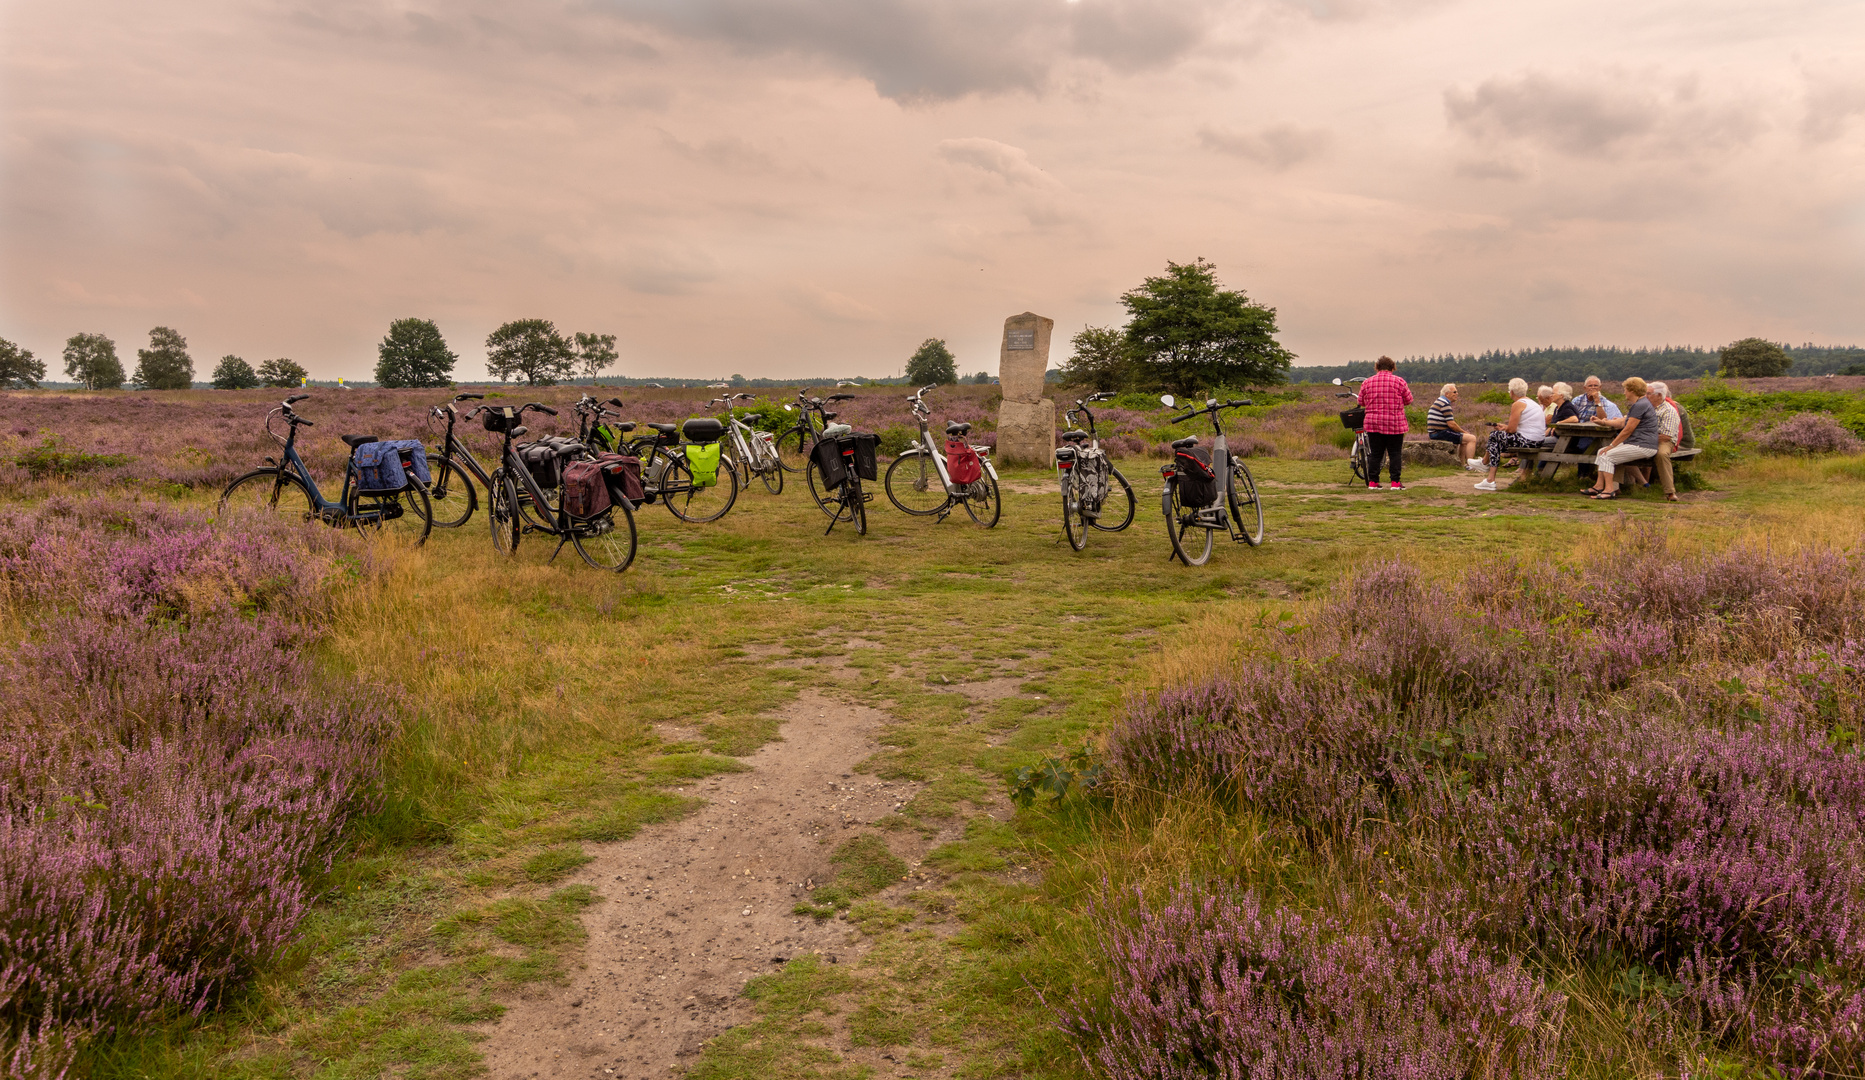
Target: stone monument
1026	421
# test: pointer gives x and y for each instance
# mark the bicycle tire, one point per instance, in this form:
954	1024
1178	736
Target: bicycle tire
452	495
612	549
271	498
1074	526
773	477
819	490
1359	458
678	492
502	514
861	510
796	441
985	486
1123	492
1176	528
918	484
1242	511
411	521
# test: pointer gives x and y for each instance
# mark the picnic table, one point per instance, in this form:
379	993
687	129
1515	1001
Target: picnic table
1548	461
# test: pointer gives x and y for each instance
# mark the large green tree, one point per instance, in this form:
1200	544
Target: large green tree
91	359
1186	333
18	367
1100	361
595	353
283	372
165	364
532	348
932	364
233	373
414	354
1755	358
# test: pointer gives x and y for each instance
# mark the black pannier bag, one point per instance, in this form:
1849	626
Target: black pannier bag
827	456
541	461
500	421
867	451
703	429
1197	481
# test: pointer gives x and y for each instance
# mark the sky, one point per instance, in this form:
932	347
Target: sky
792	188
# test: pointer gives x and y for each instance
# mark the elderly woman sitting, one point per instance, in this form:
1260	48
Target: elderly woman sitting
1563	405
1636	441
1527	425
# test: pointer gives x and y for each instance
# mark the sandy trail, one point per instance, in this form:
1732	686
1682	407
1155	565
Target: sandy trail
693	909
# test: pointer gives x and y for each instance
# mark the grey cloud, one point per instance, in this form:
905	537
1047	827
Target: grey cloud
1832	105
1278	147
666	269
1042	198
1599	116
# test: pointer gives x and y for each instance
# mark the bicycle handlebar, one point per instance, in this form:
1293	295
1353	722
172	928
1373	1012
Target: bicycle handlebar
296	398
469	397
545	409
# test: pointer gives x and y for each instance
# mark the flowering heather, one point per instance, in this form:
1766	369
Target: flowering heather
1810	433
1211	985
1668	772
172	768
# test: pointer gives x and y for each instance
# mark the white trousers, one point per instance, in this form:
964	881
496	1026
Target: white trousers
1623	454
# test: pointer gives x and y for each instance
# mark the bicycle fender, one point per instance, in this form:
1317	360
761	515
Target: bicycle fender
1165	501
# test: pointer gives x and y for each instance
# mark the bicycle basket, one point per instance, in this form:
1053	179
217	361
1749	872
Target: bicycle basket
1353	419
826	458
703	458
500	421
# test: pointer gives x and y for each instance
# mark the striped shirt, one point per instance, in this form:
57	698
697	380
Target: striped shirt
1440	415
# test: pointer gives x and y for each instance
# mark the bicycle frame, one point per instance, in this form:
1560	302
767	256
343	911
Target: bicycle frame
290	463
926	444
1215	515
747	440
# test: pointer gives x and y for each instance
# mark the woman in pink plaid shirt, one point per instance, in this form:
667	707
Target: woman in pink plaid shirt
1384	397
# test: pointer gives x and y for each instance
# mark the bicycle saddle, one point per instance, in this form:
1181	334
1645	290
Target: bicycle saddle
1074	436
355	441
956	430
664	429
1186	443
830	415
625	426
836	431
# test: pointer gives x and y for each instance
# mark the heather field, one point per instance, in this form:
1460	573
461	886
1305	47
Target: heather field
1433	784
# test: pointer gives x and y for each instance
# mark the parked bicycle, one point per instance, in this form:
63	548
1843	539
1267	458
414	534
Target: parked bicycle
527	494
924	482
811	418
755	451
1094	493
1194	499
695	478
1354	420
396	507
840	460
452	493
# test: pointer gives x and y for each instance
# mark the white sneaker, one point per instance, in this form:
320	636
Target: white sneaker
1486	485
1475	464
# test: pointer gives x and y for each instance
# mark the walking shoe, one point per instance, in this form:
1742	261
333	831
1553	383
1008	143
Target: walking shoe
1396	486
1486	485
1372	485
1475	464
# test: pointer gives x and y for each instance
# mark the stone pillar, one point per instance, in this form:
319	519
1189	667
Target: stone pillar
1026	421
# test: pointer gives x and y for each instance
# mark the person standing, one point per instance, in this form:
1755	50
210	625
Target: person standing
1441	426
1384	397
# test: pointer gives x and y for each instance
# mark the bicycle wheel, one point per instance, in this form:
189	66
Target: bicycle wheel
1246	507
793	443
861	507
698	504
452	495
1118	506
1176	528
769	465
502	514
1074	525
404	517
265	491
1359	459
913	485
607	541
981	501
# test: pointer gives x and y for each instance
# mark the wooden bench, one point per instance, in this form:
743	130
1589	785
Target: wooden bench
1547	462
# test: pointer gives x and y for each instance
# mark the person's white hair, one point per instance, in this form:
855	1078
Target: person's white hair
1566	391
1661	388
1518	387
1445	390
1544	393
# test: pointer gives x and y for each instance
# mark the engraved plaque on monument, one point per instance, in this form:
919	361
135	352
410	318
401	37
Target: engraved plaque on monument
1026	421
1020	337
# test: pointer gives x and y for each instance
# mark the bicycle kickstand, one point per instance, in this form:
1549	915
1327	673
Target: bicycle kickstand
561	540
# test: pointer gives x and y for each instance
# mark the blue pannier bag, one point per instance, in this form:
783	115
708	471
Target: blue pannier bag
384	466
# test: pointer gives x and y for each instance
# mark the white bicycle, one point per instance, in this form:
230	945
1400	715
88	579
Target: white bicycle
920	480
757	450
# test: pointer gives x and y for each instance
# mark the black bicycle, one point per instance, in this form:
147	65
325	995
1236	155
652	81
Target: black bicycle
1094	493
812	417
455	467
285	485
840	460
696	479
526	494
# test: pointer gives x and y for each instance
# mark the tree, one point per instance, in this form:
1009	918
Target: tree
165	364
1755	358
532	348
91	359
233	373
1101	360
1186	334
18	367
595	353
414	354
981	378
283	372
738	380
932	364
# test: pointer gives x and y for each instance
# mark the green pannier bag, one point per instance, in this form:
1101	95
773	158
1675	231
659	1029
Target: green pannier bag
703	458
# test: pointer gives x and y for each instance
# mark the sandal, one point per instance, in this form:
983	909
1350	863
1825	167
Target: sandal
1607	495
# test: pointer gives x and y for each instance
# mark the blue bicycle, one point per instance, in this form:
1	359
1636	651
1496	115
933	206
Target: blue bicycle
285	486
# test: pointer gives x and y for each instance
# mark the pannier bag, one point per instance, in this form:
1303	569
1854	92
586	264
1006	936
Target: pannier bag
1091	478
604	437
703	458
385	466
623	472
500	421
703	429
867	450
827	457
541	462
585	490
1197	481
962	463
1353	419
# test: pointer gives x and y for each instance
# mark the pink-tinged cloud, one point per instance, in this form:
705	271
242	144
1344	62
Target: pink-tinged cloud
798	187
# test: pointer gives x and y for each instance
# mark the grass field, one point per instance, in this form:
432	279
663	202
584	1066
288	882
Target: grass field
529	694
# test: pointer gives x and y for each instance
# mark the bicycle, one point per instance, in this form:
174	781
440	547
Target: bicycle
757	450
844	458
403	512
677	479
1192	499
1361	459
452	494
920	481
517	503
1090	483
800	436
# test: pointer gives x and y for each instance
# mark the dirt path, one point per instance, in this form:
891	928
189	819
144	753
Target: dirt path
693	909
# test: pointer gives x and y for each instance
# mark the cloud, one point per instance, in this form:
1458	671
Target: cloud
833	306
1599	116
1043	199
1832	105
1278	147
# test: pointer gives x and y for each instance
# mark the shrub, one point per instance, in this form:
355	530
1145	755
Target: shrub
51	459
1810	433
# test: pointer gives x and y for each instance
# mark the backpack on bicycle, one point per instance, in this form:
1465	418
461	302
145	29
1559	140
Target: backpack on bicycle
962	463
1197	481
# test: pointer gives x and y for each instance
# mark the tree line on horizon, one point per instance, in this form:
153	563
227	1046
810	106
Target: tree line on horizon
1749	357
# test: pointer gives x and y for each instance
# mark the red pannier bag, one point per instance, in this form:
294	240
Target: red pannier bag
585	490
624	475
962	462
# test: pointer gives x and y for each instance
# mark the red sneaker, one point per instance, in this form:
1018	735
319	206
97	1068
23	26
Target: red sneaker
1396	486
1372	485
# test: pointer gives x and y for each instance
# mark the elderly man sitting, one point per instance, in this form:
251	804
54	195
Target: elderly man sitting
1673	434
